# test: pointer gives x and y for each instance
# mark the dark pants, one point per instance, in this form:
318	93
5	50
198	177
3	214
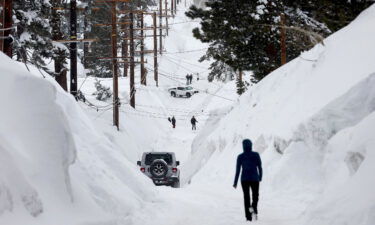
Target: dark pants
194	127
254	185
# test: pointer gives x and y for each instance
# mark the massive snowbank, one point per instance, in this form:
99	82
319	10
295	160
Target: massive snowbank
55	166
310	120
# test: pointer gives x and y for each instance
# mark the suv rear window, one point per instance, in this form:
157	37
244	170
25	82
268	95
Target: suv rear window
151	157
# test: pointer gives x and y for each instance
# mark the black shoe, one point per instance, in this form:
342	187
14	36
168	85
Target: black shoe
249	218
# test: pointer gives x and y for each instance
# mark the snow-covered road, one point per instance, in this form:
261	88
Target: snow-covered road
208	203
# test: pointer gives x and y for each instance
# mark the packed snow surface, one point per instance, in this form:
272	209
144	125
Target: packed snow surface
312	120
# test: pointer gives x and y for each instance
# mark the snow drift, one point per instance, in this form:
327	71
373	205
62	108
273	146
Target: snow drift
310	119
55	167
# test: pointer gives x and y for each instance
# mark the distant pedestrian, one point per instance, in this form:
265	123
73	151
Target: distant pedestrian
190	78
187	79
251	166
197	76
173	122
193	123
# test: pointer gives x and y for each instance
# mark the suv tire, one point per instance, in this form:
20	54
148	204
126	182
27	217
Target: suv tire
188	95
173	94
159	168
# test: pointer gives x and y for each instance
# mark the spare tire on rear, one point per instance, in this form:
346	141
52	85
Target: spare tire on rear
159	168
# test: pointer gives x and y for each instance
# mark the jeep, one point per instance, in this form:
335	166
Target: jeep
161	167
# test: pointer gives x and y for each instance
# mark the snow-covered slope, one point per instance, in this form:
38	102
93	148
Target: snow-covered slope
55	167
311	121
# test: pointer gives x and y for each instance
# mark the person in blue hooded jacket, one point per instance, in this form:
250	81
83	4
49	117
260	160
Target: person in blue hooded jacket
251	166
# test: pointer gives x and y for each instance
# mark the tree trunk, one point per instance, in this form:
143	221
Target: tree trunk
59	58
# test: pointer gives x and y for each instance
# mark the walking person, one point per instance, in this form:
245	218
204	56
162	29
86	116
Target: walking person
173	122
187	79
193	123
191	78
251	166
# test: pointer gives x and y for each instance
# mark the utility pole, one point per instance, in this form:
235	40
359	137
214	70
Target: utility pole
143	72
73	48
86	12
172	7
155	51
175	6
6	21
166	15
125	45
283	39
160	25
2	25
132	88
115	67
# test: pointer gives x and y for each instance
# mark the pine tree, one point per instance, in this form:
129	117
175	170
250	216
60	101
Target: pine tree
33	38
102	92
246	34
221	72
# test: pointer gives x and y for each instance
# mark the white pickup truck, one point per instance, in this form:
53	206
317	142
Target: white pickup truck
182	91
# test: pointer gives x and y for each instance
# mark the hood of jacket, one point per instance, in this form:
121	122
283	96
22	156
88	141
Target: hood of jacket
247	145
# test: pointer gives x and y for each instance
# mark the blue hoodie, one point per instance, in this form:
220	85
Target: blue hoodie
250	163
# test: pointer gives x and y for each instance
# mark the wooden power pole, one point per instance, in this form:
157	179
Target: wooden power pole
132	88
160	25
6	21
115	66
125	45
73	48
166	15
155	51
172	8
143	72
283	39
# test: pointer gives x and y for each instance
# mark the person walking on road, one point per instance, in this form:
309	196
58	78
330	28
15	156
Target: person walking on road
187	79
251	166
173	122
193	123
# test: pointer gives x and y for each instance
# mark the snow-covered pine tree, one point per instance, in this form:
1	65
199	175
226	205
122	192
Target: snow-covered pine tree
246	34
221	72
102	92
33	38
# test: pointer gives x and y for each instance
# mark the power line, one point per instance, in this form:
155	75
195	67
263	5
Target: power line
186	62
187	51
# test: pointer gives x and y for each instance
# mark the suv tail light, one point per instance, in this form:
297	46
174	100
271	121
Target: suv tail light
143	170
174	170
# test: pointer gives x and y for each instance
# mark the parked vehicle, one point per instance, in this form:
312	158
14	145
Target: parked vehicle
161	167
182	91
